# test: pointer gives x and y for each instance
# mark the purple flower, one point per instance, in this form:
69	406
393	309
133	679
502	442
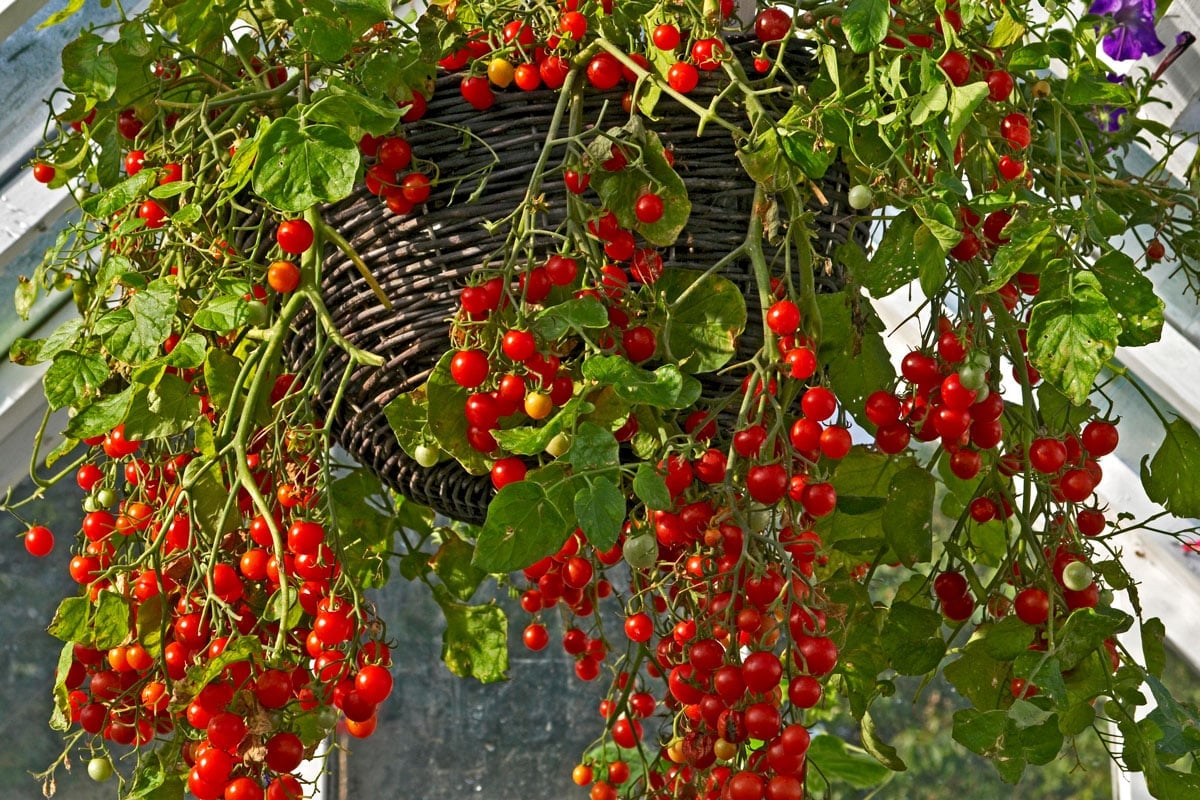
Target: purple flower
1133	34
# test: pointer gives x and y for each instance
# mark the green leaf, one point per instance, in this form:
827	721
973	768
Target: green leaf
1093	89
840	762
766	161
883	752
894	264
578	314
240	648
600	511
528	441
701	331
221	372
665	387
964	100
620	190
446	421
452	565
366	527
978	676
328	39
223	314
804	149
1072	338
101	415
908	515
70	622
60	717
527	520
1170	477
135	333
72	378
929	103
408	416
166	408
1131	295
149	624
339	104
107	203
912	639
88	67
475	642
593	448
862	363
980	731
298	168
1154	635
1026	237
1060	413
1084	633
865	23
1004	639
650	487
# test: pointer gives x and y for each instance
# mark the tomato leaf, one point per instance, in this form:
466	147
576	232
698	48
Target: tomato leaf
72	378
1084	633
100	415
665	387
1072	338
475	642
223	314
1131	295
120	196
593	448
865	23
60	716
964	100
298	168
908	515
70	622
365	526
840	762
894	264
705	314
650	487
165	408
1169	477
327	38
1026	236
338	104
88	67
408	416
452	565
851	344
527	520
883	752
912	639
600	510
529	441
578	313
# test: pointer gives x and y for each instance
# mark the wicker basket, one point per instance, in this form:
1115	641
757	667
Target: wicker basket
422	260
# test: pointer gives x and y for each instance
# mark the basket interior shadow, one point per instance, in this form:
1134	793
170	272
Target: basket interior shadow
422	260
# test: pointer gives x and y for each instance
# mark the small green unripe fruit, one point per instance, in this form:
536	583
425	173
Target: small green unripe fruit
426	456
640	552
1077	576
860	197
559	445
100	769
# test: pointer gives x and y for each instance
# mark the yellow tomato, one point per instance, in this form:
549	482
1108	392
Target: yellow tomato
500	72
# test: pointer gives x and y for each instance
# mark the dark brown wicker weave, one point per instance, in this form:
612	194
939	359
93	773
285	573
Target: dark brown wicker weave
422	260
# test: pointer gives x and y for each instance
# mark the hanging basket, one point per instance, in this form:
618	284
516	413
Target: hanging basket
422	260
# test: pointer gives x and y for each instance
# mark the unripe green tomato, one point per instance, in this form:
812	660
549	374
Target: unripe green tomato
90	504
427	456
972	377
100	769
106	497
256	314
860	197
326	717
1077	576
640	552
559	445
